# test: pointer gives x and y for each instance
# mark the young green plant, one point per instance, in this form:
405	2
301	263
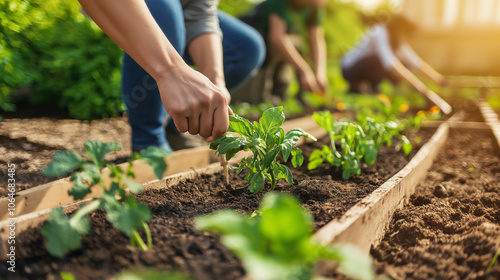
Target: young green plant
358	141
266	139
63	233
275	242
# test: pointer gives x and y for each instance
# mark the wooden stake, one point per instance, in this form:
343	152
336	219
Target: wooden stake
443	105
223	163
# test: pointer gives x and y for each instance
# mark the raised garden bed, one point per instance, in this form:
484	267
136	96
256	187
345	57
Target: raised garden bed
450	228
177	244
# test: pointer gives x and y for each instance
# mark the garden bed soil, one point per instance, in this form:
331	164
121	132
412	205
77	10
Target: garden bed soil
450	228
178	245
31	144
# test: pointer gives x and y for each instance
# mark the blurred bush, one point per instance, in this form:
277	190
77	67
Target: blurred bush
61	57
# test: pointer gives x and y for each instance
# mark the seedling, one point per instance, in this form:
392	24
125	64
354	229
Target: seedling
361	140
63	233
275	242
266	139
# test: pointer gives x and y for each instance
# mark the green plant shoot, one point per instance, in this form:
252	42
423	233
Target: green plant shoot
266	139
275	243
358	141
63	233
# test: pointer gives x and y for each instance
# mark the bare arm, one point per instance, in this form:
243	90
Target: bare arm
318	51
187	95
279	39
206	52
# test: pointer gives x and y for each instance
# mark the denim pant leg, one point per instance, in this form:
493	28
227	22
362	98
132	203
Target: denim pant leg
139	90
244	50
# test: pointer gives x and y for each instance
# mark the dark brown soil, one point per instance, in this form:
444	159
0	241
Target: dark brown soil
31	143
179	246
450	229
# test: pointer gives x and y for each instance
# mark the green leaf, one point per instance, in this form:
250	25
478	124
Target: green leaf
240	125
315	159
324	119
371	152
272	119
155	157
352	262
257	183
127	216
96	150
64	162
297	158
83	181
287	173
270	158
67	276
407	146
61	237
133	186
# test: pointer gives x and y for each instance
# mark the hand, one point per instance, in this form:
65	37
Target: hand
194	103
308	81
323	83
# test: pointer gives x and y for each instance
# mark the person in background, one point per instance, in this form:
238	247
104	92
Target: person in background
278	21
383	53
161	39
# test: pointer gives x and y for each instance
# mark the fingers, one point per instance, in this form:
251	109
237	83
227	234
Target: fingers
221	122
206	124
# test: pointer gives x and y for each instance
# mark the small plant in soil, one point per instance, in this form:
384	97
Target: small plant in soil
266	139
358	141
275	242
62	233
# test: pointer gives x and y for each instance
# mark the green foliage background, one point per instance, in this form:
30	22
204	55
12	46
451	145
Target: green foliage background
50	50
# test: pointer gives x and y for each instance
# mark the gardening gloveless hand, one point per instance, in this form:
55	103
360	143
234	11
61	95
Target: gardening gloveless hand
190	98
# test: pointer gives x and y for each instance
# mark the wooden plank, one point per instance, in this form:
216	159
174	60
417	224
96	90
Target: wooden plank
364	224
492	119
55	193
458	125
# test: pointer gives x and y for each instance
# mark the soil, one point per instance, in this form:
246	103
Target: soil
31	143
450	228
177	244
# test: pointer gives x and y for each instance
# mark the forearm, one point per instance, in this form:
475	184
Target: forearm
318	49
130	24
289	53
206	52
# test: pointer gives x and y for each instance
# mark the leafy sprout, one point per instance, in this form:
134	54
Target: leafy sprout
358	141
275	242
266	139
63	233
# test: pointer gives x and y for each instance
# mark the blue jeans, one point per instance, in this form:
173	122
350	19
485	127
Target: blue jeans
243	50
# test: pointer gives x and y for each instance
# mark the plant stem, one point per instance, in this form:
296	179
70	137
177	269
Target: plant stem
493	261
138	240
85	210
148	235
273	180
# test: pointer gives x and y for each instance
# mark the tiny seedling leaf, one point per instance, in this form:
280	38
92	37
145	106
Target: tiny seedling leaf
96	150
64	162
272	119
257	183
83	181
407	146
155	157
125	216
61	236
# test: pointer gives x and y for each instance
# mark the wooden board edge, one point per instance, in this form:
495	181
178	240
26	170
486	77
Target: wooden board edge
364	224
492	119
55	193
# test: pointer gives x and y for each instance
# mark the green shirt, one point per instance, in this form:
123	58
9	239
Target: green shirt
295	18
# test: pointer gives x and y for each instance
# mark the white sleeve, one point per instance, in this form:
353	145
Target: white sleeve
379	40
408	56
